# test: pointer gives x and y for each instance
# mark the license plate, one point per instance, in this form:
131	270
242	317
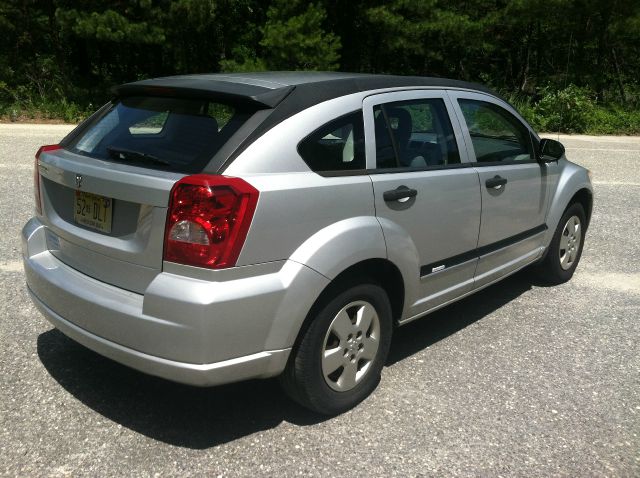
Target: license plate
93	211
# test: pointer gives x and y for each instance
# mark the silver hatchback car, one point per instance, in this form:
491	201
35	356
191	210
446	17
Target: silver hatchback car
214	228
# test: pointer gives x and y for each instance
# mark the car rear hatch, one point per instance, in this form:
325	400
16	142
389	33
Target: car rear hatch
104	193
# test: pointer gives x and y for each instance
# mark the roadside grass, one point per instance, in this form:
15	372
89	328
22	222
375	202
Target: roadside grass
574	110
569	110
49	111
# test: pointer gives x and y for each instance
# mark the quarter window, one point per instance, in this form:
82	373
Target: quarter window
496	134
414	134
336	146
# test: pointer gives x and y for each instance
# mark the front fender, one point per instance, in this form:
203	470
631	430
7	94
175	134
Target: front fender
572	178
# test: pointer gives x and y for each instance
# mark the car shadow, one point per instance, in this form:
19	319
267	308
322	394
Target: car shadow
420	334
173	413
200	418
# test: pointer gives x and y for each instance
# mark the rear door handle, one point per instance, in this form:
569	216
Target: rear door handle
496	182
401	193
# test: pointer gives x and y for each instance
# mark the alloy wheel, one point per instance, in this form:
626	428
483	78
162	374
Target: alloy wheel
570	242
350	345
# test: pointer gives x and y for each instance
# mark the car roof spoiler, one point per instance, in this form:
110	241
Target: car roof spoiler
257	96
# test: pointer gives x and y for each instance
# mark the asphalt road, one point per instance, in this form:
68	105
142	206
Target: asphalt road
518	380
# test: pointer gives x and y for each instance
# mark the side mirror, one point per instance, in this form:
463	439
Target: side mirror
550	150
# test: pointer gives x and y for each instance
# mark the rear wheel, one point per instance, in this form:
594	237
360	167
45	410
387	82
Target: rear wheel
565	249
340	355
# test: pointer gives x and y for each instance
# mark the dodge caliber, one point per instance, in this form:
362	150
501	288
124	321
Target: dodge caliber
214	228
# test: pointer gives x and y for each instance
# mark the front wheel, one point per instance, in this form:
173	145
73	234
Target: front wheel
338	359
565	249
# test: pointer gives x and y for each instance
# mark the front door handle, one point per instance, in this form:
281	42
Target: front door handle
401	193
496	182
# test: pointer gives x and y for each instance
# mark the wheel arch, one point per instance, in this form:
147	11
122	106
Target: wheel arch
583	197
340	252
573	186
381	272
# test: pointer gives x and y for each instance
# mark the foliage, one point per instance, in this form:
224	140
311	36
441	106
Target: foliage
57	57
569	109
293	37
573	110
423	36
614	120
45	110
243	60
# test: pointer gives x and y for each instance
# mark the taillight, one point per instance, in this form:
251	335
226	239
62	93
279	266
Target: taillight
208	220
36	175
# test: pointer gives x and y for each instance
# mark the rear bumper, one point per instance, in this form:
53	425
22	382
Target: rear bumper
239	324
258	365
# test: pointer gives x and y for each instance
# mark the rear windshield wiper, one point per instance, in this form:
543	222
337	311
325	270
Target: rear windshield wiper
129	154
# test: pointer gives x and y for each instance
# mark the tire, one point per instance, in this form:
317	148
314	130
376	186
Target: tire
337	329
565	249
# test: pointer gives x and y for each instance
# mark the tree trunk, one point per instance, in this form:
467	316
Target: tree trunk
525	69
616	68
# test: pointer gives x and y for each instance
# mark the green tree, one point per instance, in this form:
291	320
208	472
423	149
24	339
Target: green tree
70	52
28	47
242	36
427	37
294	37
195	41
110	42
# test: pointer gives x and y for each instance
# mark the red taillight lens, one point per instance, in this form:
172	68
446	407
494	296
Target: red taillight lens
36	175
208	220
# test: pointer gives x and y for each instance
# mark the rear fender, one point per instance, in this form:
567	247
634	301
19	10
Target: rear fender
340	245
328	252
335	248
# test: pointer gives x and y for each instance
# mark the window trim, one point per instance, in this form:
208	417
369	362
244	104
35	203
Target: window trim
399	170
405	169
511	162
392	137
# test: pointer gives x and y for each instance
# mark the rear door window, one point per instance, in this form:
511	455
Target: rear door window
176	134
414	134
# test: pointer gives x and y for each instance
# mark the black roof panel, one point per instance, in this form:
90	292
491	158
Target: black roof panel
269	88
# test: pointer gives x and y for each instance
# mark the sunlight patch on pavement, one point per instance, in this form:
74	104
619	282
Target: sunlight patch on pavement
610	280
616	183
13	266
16	166
611	150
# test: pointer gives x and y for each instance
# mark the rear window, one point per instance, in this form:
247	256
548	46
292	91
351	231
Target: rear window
175	134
